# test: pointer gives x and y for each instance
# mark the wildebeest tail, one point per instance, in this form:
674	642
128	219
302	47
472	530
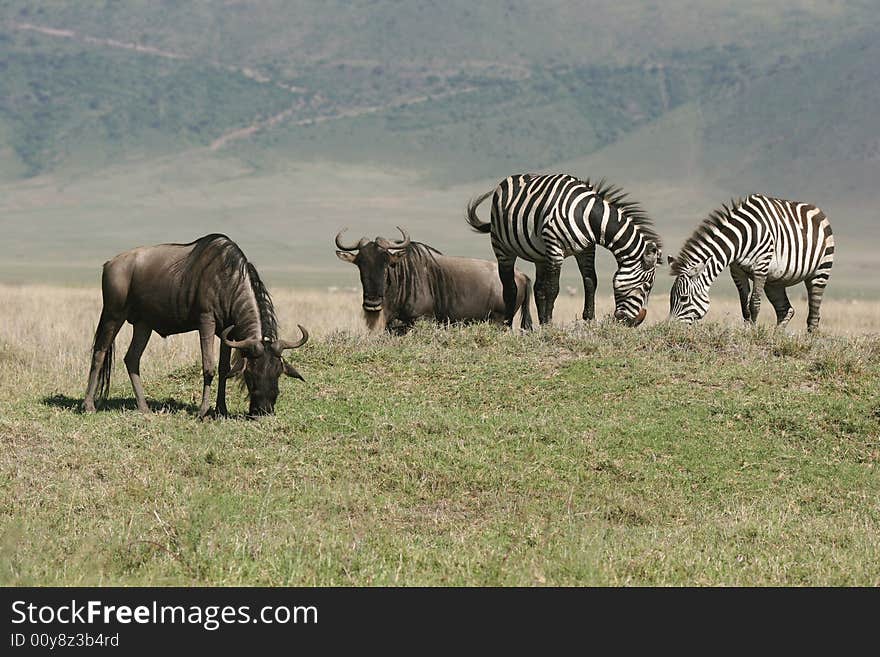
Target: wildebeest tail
106	368
526	307
473	219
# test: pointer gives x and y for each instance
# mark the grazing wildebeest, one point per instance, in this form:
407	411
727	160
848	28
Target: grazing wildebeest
405	280
207	286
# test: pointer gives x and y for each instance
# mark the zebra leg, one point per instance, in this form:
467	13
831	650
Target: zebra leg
741	280
815	290
755	300
546	288
540	292
779	299
508	285
586	260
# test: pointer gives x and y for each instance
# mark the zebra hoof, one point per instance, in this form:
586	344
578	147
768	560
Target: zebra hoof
782	323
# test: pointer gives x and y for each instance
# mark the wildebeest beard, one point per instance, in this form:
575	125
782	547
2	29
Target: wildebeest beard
376	319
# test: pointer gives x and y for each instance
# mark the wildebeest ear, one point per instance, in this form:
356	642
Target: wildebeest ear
395	256
346	256
290	370
237	366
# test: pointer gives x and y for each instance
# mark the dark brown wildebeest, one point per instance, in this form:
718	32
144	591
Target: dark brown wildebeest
207	286
405	280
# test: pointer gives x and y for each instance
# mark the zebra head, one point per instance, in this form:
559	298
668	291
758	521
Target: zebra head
633	282
689	298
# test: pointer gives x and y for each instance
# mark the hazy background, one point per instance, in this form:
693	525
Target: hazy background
134	122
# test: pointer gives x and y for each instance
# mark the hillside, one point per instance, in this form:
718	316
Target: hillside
124	123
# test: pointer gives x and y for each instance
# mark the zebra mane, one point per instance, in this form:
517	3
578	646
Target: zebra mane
716	218
632	210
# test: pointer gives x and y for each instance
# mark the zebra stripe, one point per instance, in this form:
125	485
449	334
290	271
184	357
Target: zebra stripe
769	244
546	218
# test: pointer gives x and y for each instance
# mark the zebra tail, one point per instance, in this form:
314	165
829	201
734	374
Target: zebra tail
526	318
473	219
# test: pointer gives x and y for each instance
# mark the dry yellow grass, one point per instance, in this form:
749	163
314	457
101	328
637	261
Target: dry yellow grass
53	324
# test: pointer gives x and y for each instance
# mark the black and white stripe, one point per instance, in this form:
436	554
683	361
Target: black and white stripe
770	244
546	218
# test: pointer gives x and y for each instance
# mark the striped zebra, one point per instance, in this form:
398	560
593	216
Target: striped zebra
769	244
546	218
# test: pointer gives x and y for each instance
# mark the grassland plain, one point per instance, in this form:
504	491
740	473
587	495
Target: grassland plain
578	454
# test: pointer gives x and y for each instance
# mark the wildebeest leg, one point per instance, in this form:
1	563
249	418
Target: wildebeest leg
139	339
400	326
508	285
223	372
586	260
206	335
779	299
741	280
108	327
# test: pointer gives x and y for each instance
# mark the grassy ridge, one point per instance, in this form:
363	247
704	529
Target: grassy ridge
575	455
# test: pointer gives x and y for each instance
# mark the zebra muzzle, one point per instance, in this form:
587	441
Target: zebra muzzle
632	321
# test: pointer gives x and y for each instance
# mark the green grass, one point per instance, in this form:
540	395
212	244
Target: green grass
463	456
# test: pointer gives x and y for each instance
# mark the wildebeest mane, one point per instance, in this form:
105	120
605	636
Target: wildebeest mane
614	195
264	303
209	249
716	218
418	265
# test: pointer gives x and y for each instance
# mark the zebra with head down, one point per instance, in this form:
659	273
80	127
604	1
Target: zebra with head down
769	244
546	218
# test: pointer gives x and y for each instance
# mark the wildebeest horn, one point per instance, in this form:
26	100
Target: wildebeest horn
363	241
280	345
387	244
237	344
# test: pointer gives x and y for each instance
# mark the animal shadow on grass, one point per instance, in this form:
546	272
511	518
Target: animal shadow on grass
74	404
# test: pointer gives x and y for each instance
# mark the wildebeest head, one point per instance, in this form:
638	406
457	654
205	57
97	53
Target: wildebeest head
261	365
372	260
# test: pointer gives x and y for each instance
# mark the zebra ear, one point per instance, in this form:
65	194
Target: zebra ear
670	260
652	255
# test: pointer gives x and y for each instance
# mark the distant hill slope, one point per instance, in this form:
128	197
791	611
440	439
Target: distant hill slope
143	121
458	89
